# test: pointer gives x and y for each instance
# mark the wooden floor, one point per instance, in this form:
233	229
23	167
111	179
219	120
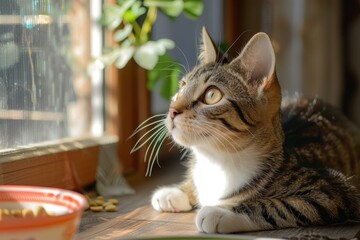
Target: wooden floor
136	218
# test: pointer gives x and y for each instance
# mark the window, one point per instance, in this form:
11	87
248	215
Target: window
45	91
50	109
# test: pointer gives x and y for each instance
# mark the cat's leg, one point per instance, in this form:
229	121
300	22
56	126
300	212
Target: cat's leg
178	198
275	213
170	199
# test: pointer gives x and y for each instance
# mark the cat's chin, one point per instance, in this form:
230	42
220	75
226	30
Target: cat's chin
185	140
177	134
179	137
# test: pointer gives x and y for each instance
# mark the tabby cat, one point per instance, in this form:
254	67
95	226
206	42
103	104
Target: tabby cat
257	163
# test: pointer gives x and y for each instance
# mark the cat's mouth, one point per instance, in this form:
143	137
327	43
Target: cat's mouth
176	131
170	124
184	134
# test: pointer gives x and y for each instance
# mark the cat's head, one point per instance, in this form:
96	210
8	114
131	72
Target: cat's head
228	105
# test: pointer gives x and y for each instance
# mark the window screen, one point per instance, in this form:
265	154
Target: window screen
44	89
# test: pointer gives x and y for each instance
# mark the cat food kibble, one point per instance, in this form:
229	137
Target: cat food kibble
92	203
110	208
27	213
4	213
100	204
113	201
23	213
96	209
16	212
106	203
40	211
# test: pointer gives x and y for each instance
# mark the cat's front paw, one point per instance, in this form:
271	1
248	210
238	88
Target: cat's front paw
221	220
170	199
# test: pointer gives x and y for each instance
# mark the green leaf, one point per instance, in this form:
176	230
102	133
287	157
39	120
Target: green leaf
121	34
147	56
166	43
167	72
113	14
224	47
110	57
193	8
161	70
170	85
129	16
171	8
153	79
124	57
174	9
134	12
138	9
118	56
160	46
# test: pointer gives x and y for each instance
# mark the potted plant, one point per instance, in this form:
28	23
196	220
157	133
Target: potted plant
143	63
132	22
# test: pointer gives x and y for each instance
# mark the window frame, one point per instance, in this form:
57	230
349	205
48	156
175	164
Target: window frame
71	163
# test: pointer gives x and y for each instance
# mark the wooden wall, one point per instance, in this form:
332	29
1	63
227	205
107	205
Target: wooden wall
306	36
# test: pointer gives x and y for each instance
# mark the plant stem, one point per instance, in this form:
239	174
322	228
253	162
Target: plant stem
137	31
147	25
132	37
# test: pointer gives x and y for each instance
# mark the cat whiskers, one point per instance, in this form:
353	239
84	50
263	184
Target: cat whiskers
169	67
216	141
145	124
215	133
154	156
186	60
204	134
221	134
210	130
156	135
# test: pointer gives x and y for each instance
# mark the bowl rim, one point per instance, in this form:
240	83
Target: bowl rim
20	224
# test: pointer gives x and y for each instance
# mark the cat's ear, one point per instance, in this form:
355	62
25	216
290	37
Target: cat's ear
257	61
209	53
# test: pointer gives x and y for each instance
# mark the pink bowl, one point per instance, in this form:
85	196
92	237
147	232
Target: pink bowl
66	207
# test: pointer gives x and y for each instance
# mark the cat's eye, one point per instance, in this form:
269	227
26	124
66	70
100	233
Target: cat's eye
212	96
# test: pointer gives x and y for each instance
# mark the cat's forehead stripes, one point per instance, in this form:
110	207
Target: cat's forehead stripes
203	72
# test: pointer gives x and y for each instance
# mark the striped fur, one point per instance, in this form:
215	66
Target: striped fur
256	165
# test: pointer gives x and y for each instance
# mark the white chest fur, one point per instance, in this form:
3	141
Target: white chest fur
217	175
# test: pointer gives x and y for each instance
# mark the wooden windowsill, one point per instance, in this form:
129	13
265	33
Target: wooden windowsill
68	163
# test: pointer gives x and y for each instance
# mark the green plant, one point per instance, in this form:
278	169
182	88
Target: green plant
132	22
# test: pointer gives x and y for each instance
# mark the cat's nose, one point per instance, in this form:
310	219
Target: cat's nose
173	112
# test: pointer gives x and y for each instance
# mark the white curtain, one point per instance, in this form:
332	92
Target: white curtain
307	39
